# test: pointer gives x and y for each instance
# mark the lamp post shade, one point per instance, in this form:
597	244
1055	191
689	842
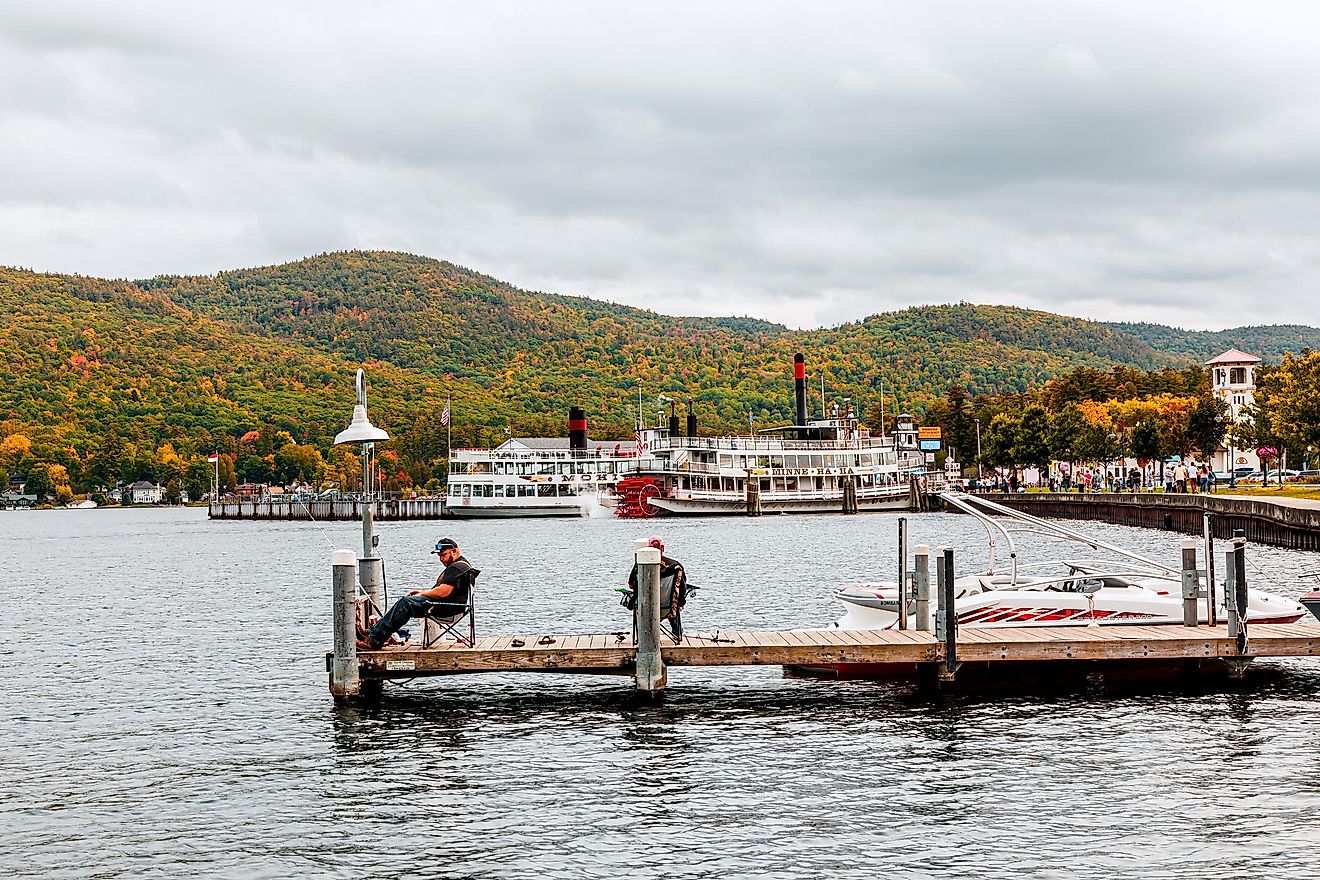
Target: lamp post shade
360	430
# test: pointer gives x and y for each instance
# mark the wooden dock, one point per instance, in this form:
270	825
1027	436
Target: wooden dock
349	510
613	653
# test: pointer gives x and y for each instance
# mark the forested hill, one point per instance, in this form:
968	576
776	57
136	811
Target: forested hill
276	346
1268	341
541	350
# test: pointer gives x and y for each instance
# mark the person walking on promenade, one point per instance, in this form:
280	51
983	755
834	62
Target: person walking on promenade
450	594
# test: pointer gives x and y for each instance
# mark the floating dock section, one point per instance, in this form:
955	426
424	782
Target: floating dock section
845	651
929	656
329	511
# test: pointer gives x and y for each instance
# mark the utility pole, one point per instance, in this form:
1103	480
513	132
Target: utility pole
978	449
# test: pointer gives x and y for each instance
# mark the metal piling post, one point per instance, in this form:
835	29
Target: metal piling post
1211	599
649	668
921	585
946	619
902	573
345	685
1240	603
1191	586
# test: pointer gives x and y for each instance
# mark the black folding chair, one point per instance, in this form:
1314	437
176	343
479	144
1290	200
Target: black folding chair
444	619
671	621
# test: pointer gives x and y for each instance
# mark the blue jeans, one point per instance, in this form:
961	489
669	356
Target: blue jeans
401	612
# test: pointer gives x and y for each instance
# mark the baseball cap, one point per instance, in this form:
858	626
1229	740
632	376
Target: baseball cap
445	544
655	541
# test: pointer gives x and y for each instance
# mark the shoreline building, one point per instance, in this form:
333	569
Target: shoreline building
1233	380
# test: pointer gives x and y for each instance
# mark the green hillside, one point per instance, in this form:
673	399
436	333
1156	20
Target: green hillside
200	361
539	351
83	355
1269	341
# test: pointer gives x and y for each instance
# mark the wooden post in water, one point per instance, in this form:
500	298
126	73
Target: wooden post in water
650	665
344	684
1191	586
752	492
849	493
921	585
1208	527
946	619
902	573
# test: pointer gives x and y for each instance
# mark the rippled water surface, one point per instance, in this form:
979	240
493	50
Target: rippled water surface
163	713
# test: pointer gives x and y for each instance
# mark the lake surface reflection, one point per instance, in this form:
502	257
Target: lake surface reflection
164	712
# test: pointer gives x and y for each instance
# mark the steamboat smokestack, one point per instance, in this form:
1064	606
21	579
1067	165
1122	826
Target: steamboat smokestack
577	430
692	420
673	421
800	393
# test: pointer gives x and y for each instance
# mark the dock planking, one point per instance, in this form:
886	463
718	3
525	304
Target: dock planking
606	653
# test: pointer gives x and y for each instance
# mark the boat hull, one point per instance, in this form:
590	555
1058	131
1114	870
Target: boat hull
513	512
737	506
1132	606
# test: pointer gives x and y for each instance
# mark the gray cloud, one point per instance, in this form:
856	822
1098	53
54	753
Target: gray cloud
809	164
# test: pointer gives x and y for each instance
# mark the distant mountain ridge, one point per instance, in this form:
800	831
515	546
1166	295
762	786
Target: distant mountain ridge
278	345
1266	341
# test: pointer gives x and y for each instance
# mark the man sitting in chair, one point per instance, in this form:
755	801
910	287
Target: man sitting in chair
673	587
449	596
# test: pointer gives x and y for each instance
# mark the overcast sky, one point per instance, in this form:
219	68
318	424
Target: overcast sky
809	163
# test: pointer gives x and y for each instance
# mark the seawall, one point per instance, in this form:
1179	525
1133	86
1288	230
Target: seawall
1284	522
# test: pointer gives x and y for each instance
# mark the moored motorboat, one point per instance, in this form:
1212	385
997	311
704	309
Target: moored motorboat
1127	589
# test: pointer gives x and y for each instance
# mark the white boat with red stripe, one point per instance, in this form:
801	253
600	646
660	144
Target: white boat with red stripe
1127	589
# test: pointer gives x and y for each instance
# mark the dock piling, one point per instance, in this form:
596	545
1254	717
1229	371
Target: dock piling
752	495
649	668
1208	528
902	573
1240	604
1191	586
344	683
921	585
946	619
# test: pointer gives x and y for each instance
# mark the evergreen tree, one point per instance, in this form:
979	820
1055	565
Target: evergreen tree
1207	424
38	483
1031	446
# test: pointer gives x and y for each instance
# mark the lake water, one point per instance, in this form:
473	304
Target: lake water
164	713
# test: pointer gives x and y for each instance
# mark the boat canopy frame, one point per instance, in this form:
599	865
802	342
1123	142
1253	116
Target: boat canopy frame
1025	523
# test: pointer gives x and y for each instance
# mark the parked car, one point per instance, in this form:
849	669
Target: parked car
1288	474
1242	471
1222	476
1308	474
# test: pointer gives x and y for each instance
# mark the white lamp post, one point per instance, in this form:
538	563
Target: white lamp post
371	571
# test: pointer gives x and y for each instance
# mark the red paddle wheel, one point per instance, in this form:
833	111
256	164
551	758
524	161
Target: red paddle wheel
634	496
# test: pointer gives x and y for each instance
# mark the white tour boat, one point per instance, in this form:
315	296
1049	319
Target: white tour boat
1128	589
823	465
538	476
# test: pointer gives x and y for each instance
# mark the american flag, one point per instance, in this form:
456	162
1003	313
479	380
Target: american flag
641	444
444	416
